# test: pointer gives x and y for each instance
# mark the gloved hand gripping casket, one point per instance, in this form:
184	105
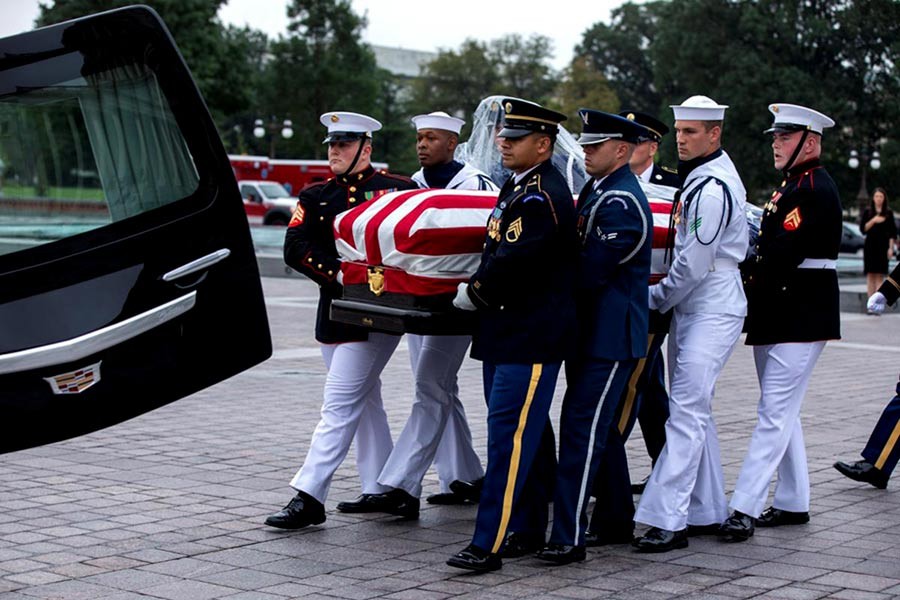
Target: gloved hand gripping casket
404	255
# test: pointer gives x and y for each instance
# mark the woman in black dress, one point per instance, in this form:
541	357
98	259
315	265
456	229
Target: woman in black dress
877	222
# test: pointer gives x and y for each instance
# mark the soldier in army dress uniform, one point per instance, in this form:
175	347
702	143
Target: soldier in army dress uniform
351	405
882	452
522	292
799	239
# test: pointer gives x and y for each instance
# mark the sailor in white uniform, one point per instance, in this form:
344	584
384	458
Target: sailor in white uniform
704	287
437	430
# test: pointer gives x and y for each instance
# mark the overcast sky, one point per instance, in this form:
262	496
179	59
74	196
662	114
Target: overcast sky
416	25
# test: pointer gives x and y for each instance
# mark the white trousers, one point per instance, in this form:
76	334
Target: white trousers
437	429
784	371
686	485
351	407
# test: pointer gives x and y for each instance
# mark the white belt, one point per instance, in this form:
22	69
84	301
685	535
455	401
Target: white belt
724	264
818	263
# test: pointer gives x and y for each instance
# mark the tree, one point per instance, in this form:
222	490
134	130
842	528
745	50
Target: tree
582	86
208	49
320	66
838	56
509	65
619	52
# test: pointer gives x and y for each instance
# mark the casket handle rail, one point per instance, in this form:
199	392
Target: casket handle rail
376	280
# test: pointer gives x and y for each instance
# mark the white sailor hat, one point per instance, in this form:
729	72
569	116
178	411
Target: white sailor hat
348	126
438	120
792	117
699	108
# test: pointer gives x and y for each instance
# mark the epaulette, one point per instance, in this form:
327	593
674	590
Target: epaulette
395	176
313	184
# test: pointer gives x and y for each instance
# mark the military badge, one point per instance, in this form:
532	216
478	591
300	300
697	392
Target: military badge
376	280
792	220
297	216
75	382
514	231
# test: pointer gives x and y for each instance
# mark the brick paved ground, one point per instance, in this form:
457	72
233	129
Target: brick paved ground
170	505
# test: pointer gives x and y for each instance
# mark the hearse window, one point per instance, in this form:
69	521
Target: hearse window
84	153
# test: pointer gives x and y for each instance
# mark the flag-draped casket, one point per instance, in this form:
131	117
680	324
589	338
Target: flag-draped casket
405	253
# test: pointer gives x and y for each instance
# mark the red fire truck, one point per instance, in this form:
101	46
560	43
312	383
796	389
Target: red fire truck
292	174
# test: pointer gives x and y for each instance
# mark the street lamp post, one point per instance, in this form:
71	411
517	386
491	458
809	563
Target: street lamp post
260	128
862	161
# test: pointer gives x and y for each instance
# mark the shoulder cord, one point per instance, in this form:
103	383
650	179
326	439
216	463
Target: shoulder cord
618	194
726	214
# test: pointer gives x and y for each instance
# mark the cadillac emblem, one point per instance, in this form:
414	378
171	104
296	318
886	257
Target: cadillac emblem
376	280
75	382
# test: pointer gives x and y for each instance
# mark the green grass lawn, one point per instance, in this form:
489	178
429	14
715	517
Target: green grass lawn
56	193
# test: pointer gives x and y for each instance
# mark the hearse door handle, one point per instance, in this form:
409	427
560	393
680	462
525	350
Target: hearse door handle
200	264
95	341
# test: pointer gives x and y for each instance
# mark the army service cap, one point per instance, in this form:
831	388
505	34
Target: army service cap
655	127
521	118
793	117
348	126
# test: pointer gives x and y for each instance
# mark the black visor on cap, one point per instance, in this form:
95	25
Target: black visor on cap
343	136
787	128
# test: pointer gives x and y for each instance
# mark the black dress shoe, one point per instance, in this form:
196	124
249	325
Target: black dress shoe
608	538
363	504
775	517
470	491
396	502
447	499
638	488
738	527
695	530
301	511
864	471
518	544
661	540
473	558
560	554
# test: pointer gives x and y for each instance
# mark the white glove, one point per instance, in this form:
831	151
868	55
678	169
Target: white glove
876	304
652	301
462	300
340	277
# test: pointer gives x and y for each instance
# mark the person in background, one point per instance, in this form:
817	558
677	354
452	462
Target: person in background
877	223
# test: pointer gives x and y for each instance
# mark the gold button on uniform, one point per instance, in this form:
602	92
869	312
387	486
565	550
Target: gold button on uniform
352	188
352	200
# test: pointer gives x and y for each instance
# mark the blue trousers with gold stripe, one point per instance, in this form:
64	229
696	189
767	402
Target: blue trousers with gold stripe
519	398
883	449
593	398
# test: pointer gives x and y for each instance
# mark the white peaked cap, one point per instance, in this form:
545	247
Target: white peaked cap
792	117
438	120
699	108
348	125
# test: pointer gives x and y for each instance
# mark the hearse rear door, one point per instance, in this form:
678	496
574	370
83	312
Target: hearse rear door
127	273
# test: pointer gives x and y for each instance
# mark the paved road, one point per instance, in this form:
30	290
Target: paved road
170	505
